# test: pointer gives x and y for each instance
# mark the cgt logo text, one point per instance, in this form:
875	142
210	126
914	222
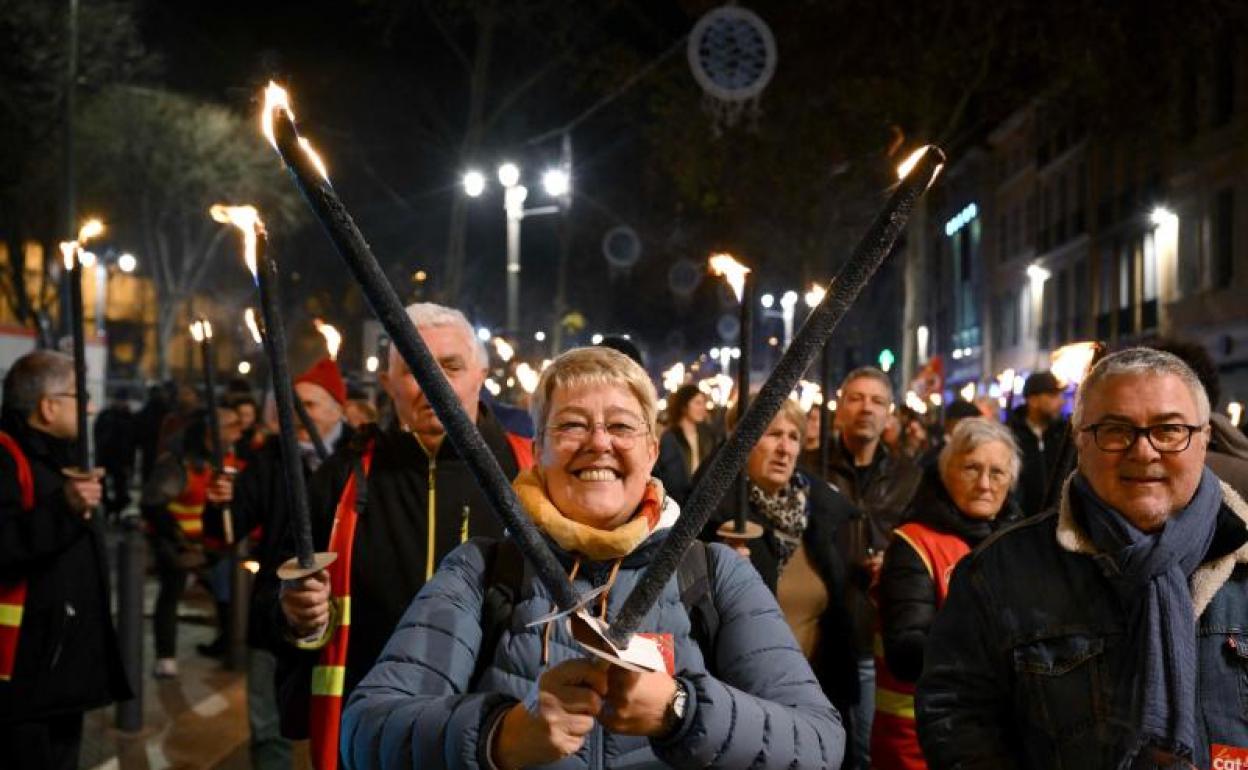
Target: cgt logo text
1229	757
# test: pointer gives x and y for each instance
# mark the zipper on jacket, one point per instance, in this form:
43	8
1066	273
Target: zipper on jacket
463	524
66	620
433	518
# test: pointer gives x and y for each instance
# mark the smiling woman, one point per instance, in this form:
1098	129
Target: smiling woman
477	675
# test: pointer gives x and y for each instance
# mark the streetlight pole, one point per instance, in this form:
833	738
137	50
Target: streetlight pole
513	203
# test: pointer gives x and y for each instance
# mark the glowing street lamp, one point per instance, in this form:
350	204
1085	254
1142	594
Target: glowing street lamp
127	263
788	306
509	174
556	182
474	183
814	295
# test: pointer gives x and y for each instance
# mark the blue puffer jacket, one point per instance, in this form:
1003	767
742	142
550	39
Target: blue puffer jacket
764	710
1027	664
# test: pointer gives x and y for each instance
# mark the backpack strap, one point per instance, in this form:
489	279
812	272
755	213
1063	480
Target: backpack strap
695	580
504	578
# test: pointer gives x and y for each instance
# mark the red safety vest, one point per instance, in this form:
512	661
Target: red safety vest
330	673
13	595
187	508
894	739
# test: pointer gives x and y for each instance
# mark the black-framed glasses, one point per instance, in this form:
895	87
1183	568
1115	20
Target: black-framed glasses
1167	438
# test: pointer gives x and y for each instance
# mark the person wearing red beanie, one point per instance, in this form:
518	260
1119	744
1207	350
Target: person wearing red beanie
324	395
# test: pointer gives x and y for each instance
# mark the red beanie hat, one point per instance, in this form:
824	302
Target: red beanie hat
324	373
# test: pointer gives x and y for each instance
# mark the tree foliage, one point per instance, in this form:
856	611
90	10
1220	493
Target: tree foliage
155	161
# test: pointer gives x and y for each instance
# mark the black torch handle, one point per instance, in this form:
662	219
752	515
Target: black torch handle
868	255
275	348
83	446
210	390
354	250
746	337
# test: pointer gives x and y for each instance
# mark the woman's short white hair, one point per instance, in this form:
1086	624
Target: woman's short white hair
974	432
433	315
1141	362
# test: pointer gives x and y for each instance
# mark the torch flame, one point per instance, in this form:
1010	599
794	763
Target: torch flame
68	250
197	331
733	271
333	339
246	219
92	228
1070	363
912	160
276	98
249	317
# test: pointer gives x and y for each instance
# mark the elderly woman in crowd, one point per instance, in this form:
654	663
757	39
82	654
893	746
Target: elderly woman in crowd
796	556
686	443
961	501
458	687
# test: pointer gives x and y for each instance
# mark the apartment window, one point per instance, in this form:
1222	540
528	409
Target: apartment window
1222	266
1126	289
1148	283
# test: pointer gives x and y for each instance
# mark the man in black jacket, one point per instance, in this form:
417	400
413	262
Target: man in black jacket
422	502
67	660
1039	429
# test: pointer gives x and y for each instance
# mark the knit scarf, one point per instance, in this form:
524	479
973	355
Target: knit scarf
1154	570
785	512
572	536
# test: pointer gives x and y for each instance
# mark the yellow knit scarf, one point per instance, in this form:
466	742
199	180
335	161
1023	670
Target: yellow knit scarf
595	544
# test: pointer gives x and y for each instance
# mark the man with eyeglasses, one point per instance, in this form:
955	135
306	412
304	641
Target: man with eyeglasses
1112	631
58	647
418	500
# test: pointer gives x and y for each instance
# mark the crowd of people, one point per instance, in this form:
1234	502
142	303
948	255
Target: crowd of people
989	590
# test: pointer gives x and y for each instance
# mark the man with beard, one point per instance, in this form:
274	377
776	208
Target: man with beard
419	501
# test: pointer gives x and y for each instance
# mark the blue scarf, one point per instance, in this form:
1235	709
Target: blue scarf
1154	570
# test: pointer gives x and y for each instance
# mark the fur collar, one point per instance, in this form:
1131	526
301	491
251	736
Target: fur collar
1207	578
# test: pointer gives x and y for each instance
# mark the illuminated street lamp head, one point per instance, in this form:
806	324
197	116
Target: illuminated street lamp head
556	182
249	318
474	183
246	219
371	363
788	300
69	249
333	339
509	175
767	300
815	295
92	228
276	99
127	263
1037	274
1162	216
244	367
539	336
731	270
200	330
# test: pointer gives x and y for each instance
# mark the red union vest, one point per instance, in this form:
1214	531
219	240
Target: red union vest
894	739
13	595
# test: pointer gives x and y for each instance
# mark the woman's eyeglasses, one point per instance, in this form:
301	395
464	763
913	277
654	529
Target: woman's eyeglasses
624	434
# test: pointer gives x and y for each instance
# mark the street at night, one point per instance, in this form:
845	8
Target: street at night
623	384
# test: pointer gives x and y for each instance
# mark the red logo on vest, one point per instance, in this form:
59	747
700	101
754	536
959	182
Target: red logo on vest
1229	757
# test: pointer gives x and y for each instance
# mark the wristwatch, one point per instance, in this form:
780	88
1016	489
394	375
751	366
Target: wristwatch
676	707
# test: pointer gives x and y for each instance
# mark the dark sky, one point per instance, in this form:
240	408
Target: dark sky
362	79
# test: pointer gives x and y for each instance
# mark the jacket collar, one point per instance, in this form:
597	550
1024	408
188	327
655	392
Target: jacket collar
37	445
1206	581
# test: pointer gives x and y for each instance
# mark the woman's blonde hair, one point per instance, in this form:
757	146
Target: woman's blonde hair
594	366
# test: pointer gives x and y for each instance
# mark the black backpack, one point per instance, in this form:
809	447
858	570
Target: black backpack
504	577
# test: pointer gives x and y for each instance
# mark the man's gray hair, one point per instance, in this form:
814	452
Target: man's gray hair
1142	362
34	376
973	432
870	373
434	315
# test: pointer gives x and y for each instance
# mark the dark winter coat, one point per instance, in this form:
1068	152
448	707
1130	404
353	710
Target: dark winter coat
675	456
881	492
1040	457
1026	664
835	661
906	591
391	539
67	656
762	708
261	508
